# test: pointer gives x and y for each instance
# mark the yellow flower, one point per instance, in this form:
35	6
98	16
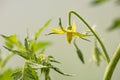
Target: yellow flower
70	32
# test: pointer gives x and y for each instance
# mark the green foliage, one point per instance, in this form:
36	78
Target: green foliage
118	2
6	75
36	46
23	54
30	46
37	34
115	25
29	74
59	71
96	2
11	41
37	63
4	60
16	75
32	50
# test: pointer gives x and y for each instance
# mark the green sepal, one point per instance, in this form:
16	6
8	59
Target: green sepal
79	53
60	25
97	54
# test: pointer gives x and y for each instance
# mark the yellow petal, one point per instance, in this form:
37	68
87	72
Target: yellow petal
57	31
69	37
80	35
74	27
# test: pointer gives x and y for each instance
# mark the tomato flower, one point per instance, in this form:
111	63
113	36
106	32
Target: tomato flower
70	32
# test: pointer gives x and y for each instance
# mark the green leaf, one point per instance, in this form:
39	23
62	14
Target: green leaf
47	71
23	54
8	44
115	25
118	2
11	40
29	73
37	34
36	46
6	75
96	2
17	75
37	66
59	71
79	53
26	44
51	58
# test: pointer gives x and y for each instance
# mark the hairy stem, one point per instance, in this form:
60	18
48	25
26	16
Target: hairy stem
111	66
94	33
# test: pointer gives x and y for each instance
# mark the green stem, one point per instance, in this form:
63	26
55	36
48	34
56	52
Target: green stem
111	66
94	33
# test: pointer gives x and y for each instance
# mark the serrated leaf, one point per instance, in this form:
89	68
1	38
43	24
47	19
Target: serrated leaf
37	34
79	53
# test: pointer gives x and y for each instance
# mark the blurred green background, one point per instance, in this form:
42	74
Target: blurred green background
16	16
